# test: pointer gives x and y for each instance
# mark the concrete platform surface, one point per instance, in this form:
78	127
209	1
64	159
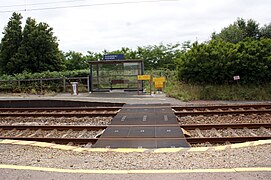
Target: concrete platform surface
121	97
10	174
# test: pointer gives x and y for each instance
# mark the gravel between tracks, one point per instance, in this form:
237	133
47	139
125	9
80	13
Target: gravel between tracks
258	156
55	121
51	133
251	118
232	133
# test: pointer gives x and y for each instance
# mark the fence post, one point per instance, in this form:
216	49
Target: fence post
88	84
64	84
41	85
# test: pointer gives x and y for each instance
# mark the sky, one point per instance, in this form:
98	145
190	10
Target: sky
97	25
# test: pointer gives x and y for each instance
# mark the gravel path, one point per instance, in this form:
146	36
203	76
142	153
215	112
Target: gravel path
258	156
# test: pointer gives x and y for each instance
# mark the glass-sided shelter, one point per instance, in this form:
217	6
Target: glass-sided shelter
106	75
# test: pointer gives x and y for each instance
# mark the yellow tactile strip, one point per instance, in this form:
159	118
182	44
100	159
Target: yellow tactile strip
127	150
167	171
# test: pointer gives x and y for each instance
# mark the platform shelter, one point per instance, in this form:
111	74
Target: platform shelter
108	75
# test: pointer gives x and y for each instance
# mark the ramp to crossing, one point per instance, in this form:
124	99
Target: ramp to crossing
143	126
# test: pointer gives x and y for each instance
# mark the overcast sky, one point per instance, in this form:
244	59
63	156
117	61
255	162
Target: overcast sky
110	25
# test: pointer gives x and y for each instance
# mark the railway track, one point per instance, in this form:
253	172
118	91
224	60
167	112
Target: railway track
59	112
76	134
112	111
64	137
221	107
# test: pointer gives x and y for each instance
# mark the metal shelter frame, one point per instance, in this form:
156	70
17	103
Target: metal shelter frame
107	75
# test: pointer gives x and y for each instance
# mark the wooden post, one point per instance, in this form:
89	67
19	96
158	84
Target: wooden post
41	85
88	84
150	84
137	87
64	84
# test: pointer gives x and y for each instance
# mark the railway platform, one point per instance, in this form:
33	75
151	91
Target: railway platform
26	159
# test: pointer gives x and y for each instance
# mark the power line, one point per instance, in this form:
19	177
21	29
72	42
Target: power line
87	5
45	3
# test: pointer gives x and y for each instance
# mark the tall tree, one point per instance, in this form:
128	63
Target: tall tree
39	48
265	31
239	30
10	43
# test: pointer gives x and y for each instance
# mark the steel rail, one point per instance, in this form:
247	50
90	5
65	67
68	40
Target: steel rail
197	113
246	106
226	139
190	140
98	127
57	114
190	113
55	140
57	127
176	108
67	109
225	126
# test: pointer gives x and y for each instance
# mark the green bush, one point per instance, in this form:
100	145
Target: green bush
216	62
46	74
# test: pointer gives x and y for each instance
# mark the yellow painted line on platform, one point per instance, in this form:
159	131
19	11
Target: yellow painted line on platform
7	141
97	149
255	169
23	143
261	142
162	171
63	147
198	149
240	145
172	150
128	150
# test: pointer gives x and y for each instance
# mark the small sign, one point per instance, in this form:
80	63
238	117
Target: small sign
158	84
236	78
160	79
113	57
143	77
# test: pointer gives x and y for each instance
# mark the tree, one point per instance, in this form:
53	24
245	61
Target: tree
239	30
39	48
265	31
91	56
159	57
75	60
10	43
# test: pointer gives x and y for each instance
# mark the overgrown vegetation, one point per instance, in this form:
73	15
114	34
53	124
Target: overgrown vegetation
188	91
46	74
217	61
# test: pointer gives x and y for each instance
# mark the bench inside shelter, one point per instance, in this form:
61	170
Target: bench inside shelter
119	82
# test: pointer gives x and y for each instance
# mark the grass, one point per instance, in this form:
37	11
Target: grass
188	92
